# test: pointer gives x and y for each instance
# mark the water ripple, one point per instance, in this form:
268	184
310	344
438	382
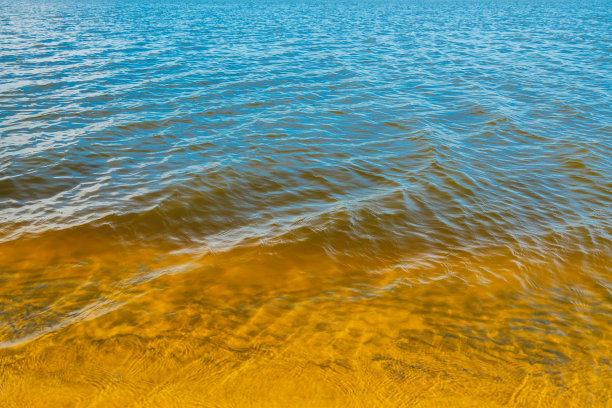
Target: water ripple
237	183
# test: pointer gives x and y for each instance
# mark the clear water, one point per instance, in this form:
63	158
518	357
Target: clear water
305	203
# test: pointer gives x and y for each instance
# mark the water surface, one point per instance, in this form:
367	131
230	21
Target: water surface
269	203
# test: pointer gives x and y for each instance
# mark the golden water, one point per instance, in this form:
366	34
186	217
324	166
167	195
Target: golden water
283	326
317	204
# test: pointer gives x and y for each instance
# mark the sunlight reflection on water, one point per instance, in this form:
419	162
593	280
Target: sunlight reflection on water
305	204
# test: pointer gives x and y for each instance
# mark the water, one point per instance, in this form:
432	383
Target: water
305	203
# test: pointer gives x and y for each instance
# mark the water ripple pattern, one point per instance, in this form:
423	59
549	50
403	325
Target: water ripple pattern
279	177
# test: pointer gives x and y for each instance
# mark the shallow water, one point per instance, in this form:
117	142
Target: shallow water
231	204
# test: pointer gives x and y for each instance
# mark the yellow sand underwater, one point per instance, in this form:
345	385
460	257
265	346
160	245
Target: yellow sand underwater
261	327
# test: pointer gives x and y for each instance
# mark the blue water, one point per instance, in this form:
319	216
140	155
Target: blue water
110	107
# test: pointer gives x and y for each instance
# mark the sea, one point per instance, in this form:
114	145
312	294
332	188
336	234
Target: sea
277	203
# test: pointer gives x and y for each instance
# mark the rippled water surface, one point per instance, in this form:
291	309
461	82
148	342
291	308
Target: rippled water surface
351	204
